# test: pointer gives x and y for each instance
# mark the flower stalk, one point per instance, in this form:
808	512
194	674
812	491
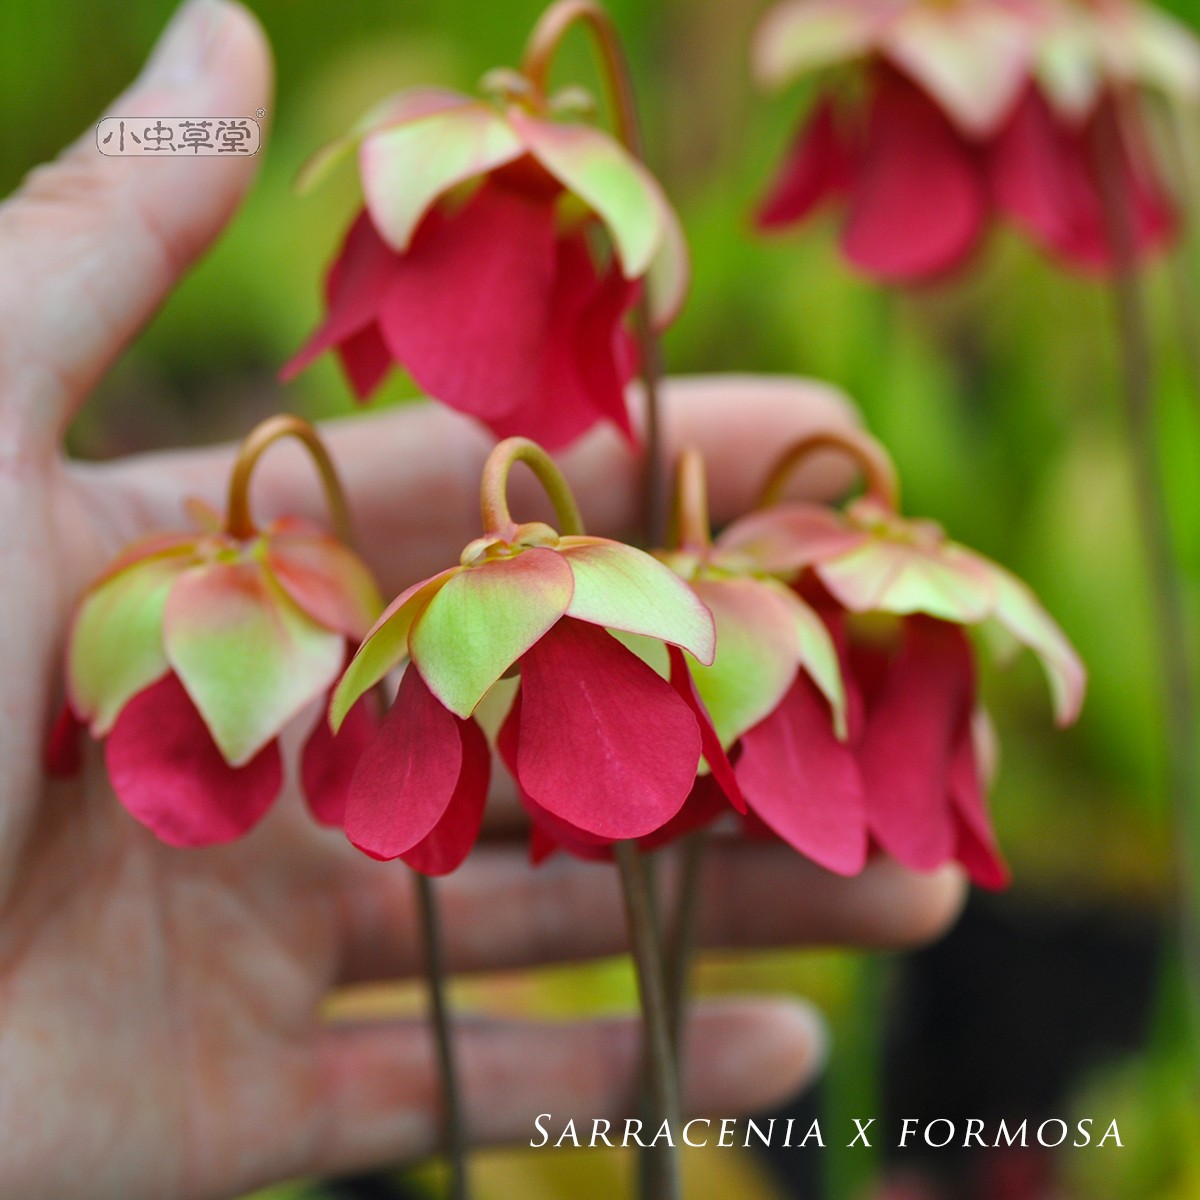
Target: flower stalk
494	508
543	45
663	1074
1175	649
454	1117
238	521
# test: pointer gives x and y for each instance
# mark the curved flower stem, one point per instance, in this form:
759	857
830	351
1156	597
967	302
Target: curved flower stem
497	518
1164	575
883	485
1186	186
544	42
662	1060
238	521
454	1120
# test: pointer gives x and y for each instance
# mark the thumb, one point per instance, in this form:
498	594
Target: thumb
91	245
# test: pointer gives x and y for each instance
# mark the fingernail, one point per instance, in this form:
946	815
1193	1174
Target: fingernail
181	53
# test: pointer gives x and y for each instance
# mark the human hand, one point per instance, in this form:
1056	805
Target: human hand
160	1010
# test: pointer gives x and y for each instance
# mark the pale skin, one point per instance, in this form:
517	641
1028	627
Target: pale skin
161	1032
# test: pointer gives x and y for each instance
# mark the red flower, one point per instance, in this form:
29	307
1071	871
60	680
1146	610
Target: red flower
898	598
476	265
594	737
191	654
972	110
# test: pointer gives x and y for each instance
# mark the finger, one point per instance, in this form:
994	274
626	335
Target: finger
499	914
413	476
382	1095
91	244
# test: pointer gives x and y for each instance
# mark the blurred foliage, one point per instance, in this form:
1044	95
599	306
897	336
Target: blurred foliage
996	394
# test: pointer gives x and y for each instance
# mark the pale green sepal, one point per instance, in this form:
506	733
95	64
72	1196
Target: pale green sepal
757	654
115	647
246	654
385	646
943	582
622	588
407	105
484	619
806	35
1019	612
406	167
601	172
818	655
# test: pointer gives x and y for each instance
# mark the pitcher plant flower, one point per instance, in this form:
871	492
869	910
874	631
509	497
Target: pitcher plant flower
774	695
934	116
503	244
194	650
899	598
596	739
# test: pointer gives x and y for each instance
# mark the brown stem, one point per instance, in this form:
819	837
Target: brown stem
872	459
543	45
238	521
662	1062
1167	585
693	531
497	518
453	1117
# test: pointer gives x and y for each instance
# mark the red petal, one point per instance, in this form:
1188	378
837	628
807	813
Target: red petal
451	839
549	833
468	305
329	761
1043	177
977	848
912	726
63	754
354	290
584	362
710	744
604	742
803	783
167	771
818	166
366	360
918	205
408	774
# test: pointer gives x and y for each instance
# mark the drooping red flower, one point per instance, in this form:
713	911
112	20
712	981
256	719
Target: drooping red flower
191	654
595	738
497	259
969	110
898	597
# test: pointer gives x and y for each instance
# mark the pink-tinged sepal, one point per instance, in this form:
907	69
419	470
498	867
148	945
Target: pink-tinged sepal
170	775
604	743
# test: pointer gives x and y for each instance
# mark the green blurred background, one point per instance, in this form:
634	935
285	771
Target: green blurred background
996	394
